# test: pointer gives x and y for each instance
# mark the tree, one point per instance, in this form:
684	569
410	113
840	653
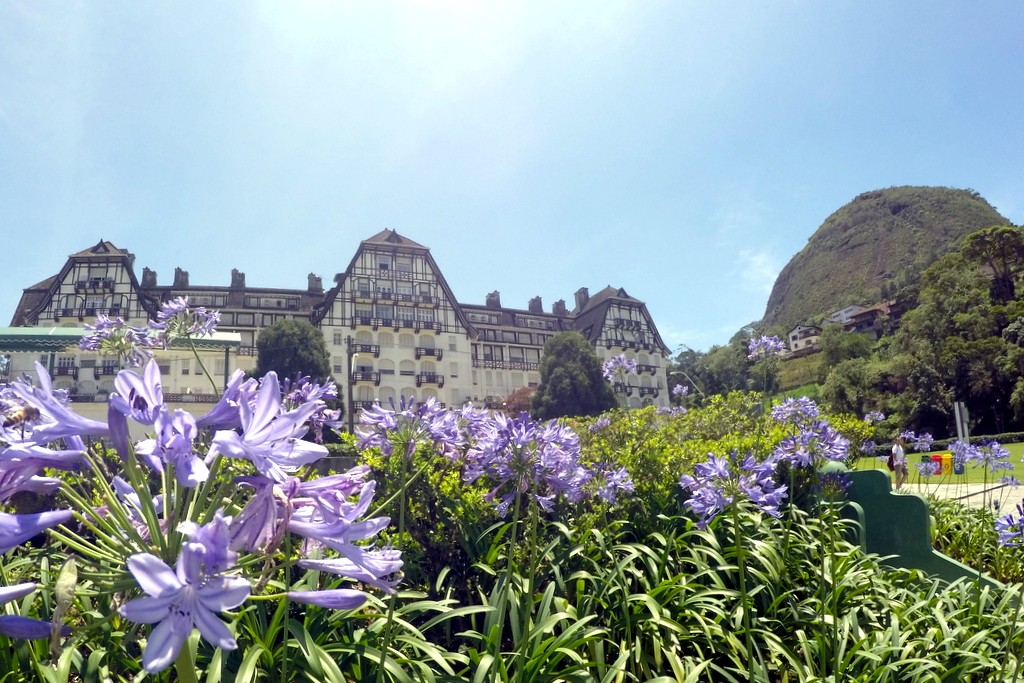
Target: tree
292	348
571	380
1001	249
519	401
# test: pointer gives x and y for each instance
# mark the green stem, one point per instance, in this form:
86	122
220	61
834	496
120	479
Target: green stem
526	612
403	489
741	566
195	352
185	667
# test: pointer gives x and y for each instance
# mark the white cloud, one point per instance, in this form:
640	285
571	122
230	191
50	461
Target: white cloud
756	271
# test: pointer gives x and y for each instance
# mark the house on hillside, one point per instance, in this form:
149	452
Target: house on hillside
804	339
872	320
844	315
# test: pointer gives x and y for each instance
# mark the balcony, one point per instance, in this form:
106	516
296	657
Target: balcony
365	377
621	388
367	348
425	299
190	398
363	294
106	369
246	350
641	368
649	391
383	295
489	364
422	351
626	324
624	344
429	378
66	371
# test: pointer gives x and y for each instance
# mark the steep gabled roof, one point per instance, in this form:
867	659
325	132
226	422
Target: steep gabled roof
591	315
102	249
388	237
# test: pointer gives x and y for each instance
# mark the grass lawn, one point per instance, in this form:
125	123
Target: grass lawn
971	475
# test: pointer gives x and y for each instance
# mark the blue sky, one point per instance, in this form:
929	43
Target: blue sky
684	151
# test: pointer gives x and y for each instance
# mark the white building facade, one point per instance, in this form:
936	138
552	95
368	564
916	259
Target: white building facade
392	325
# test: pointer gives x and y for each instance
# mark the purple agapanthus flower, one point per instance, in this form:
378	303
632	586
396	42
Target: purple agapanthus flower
179	600
599	424
874	417
270	436
113	336
764	346
177	319
919	442
928	469
336	524
256	526
211	542
406	426
23	628
55	421
16	529
226	414
869	447
680	390
173	445
520	456
991	456
337	598
813	444
618	366
797	410
721	482
609	481
139	398
1010	528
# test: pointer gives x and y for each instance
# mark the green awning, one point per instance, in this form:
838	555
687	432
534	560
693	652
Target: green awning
59	338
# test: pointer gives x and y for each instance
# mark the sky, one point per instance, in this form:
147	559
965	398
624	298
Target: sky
683	151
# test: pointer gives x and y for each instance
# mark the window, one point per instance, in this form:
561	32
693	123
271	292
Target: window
403	264
453	343
338	341
385	311
386	340
245	319
165	369
453	369
405	313
425	314
185	371
405	341
383	262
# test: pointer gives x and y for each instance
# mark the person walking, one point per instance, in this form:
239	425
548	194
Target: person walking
899	463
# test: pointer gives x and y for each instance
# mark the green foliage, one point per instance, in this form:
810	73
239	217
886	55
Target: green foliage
571	379
1001	249
293	348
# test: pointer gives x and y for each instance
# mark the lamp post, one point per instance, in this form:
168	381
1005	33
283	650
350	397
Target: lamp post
350	350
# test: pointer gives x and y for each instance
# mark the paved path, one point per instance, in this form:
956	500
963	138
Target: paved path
1002	498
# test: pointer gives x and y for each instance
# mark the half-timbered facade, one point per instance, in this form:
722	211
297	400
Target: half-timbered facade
392	324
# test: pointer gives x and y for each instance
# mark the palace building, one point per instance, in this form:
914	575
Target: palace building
391	323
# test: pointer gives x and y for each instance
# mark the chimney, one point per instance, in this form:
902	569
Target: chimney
180	277
535	305
237	279
493	300
582	297
559	308
148	277
314	283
